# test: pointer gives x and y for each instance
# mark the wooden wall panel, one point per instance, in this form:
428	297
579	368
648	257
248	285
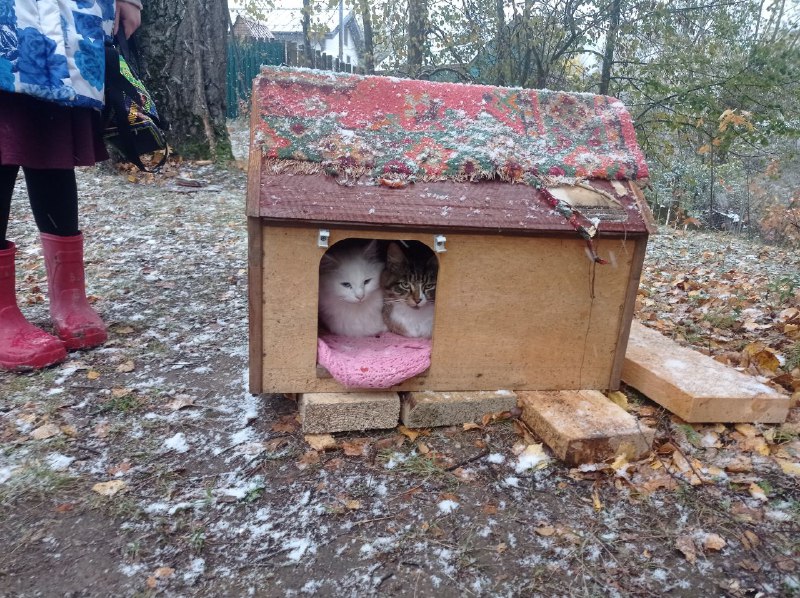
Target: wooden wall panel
522	313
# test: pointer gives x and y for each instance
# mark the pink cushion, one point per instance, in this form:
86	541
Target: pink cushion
373	361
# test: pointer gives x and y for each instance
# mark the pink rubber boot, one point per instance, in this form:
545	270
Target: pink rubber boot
76	322
23	346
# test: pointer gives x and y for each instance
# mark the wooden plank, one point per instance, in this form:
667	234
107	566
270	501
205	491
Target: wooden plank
583	426
695	387
637	263
255	305
323	413
429	409
522	313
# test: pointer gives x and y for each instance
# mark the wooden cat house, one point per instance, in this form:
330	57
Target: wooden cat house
528	199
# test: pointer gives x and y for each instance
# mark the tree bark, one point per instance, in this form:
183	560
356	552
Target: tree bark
308	48
611	42
184	46
369	38
417	28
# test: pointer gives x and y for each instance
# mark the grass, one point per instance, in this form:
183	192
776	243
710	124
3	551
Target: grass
34	480
722	320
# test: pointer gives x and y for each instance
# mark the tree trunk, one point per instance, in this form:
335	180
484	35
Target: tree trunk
308	47
611	42
417	25
501	43
184	46
369	38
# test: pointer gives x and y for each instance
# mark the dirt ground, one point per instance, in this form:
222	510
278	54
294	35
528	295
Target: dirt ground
145	468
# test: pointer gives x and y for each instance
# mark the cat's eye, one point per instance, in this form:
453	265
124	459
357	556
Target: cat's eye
346	285
367	281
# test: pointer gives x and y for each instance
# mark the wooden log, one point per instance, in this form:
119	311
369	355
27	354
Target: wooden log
583	426
326	412
695	387
428	409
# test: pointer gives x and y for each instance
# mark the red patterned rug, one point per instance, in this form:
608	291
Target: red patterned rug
399	130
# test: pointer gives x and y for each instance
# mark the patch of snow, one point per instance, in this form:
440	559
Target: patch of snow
448	506
195	569
5	474
299	547
58	462
177	443
511	482
496	458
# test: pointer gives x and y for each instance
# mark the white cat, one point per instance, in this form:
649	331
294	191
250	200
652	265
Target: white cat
350	292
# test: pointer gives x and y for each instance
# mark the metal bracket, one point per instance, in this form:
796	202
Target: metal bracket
438	243
324	236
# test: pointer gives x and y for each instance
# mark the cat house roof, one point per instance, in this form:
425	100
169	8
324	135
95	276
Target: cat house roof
341	149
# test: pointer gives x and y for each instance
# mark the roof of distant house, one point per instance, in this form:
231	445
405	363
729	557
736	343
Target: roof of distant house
252	28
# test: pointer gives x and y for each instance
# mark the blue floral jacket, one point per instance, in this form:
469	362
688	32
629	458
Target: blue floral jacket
54	49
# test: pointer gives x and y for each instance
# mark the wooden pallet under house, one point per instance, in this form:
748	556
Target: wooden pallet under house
528	199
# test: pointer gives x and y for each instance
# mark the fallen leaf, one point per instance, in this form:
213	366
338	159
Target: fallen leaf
92	375
685	544
181	403
353	505
109	488
123	467
545	530
501	548
740	464
789	467
355	448
408	433
423	448
471	426
714	542
321	442
287	424
757	492
749	540
126	366
619	398
164	572
65	507
102	429
489	509
276	443
70	430
465	475
598	505
308	458
45	431
747	430
124	329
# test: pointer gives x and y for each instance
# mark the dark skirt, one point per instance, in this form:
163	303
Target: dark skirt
40	134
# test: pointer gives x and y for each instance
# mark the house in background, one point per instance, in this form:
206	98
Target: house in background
249	29
286	24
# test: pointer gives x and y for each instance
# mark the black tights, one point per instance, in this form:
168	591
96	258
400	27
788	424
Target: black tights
53	195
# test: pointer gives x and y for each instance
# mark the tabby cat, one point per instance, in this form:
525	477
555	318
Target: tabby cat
409	288
350	293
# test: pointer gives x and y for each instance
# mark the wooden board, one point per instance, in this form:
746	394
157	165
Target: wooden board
512	312
695	387
583	426
428	409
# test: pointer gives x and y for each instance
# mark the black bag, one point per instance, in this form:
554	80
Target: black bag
132	124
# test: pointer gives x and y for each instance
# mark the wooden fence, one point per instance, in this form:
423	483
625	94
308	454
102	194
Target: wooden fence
246	57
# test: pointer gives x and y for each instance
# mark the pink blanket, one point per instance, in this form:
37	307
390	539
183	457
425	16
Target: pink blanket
373	362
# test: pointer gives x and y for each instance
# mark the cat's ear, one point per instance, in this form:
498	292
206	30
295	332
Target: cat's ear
395	257
371	249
